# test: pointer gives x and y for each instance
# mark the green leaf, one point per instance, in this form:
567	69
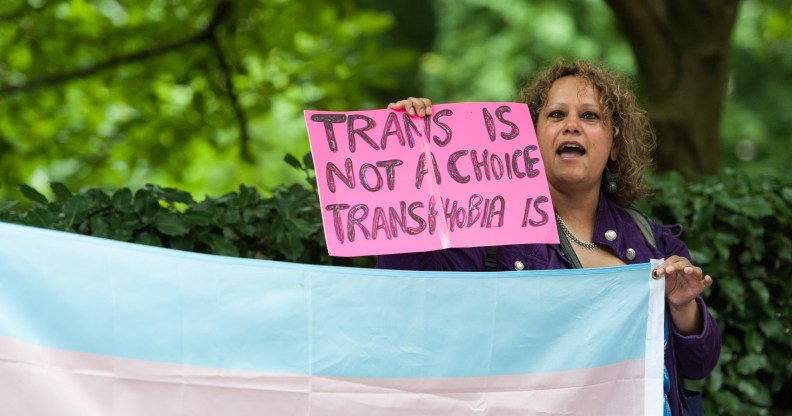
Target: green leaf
308	161
99	227
122	228
149	239
787	194
196	217
754	391
291	160
182	243
761	290
291	246
751	363
223	247
726	201
756	208
727	401
174	195
732	288
75	209
301	227
97	198
8	205
32	194
248	196
232	217
230	234
41	217
172	224
146	205
754	342
772	329
122	198
61	191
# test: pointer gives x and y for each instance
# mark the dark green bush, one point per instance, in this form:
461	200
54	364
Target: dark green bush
286	226
739	229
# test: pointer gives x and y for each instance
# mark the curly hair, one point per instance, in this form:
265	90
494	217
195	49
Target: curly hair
633	137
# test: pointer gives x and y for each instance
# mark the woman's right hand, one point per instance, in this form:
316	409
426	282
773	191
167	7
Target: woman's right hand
414	106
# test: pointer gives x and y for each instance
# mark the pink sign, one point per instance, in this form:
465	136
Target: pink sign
469	175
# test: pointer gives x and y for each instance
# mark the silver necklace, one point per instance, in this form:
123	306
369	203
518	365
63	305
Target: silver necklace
569	235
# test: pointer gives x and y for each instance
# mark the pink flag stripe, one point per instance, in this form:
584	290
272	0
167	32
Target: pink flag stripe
38	381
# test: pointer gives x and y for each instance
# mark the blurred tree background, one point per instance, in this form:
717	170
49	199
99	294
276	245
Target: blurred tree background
205	95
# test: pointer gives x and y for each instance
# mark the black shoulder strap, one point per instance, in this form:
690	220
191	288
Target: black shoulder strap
652	236
567	248
491	262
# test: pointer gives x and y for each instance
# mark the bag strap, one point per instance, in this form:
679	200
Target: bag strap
567	248
652	235
491	262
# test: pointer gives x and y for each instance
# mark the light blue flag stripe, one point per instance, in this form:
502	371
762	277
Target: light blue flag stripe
98	296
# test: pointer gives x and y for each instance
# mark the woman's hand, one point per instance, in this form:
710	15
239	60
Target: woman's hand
683	280
413	106
683	283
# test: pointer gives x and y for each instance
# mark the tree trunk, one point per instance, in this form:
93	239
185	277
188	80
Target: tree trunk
682	51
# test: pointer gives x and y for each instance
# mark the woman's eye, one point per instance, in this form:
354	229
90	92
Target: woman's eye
588	115
556	114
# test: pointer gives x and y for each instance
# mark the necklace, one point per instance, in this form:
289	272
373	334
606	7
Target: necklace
569	235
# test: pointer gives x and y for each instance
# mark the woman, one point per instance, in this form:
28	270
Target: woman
595	143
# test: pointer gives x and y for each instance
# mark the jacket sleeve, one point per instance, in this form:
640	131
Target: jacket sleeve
698	354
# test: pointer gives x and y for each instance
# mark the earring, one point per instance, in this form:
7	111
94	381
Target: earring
611	180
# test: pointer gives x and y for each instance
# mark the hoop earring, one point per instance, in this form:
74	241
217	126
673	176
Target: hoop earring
611	180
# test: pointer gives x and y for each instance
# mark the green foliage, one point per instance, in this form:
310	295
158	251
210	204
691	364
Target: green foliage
109	93
739	230
286	226
756	125
484	49
199	95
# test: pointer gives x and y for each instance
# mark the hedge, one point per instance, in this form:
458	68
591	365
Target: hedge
738	229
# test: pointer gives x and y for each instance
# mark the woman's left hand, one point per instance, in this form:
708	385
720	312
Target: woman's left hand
683	280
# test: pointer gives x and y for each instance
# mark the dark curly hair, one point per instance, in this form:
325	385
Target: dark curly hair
633	137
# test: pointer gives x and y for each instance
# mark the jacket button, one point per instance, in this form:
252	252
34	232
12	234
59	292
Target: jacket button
610	235
630	254
518	265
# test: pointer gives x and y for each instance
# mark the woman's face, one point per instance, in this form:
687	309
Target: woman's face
574	137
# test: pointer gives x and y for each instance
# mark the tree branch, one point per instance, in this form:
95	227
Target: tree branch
244	135
205	35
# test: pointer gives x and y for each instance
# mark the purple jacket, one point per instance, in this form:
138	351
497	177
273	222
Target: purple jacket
690	357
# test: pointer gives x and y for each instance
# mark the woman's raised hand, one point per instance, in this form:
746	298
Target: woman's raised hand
684	282
413	106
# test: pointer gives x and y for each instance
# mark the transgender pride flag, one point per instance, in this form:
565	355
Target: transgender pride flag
96	327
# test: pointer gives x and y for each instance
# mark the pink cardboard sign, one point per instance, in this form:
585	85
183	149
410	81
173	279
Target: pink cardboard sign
471	174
